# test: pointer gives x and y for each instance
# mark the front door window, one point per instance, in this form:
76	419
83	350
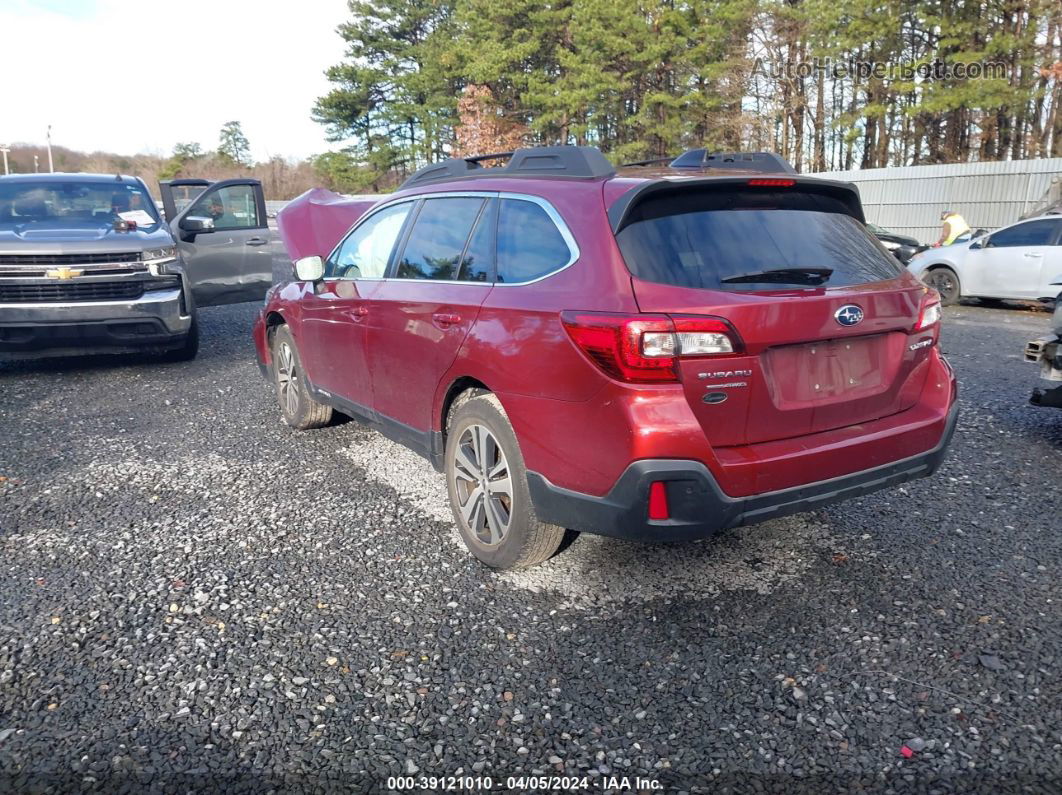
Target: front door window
233	207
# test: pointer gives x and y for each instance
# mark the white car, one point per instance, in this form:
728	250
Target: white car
1019	261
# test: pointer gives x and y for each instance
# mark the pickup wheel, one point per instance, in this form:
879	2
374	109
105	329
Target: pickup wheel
299	409
946	282
487	485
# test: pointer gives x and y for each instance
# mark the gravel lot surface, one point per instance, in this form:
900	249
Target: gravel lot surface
193	596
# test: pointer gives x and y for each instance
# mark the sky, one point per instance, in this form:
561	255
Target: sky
131	77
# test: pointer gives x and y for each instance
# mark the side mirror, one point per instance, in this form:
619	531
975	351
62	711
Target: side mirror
309	269
197	224
976	245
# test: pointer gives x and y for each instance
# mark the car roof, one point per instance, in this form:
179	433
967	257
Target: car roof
62	176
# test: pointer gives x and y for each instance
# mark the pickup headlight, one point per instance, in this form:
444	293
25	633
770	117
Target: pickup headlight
159	256
891	245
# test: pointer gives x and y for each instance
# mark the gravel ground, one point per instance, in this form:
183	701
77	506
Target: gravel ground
193	596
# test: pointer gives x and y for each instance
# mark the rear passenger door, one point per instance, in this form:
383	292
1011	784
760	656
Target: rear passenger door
224	238
419	316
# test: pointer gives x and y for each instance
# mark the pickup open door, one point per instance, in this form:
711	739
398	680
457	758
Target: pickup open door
223	234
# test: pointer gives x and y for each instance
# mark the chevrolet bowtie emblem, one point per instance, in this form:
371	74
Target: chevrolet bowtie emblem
63	273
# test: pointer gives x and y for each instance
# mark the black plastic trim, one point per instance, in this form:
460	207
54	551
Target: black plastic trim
762	162
699	507
584	162
423	443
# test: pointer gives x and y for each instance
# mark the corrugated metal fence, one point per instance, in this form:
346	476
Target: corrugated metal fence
909	199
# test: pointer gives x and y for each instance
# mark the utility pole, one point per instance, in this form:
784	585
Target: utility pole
5	149
51	166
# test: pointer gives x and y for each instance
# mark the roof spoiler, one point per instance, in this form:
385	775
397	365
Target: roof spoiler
542	161
619	214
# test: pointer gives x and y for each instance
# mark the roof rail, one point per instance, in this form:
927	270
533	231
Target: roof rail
762	162
654	161
541	161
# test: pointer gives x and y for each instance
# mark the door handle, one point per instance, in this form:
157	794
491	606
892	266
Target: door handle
445	319
1033	254
257	241
359	312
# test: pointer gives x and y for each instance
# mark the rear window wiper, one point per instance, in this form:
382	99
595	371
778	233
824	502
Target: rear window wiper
783	276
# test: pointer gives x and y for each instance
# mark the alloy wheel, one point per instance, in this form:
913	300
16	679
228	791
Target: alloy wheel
288	379
943	282
484	485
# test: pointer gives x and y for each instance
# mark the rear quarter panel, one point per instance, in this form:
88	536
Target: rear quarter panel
518	345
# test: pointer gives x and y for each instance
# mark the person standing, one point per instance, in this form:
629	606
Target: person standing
954	225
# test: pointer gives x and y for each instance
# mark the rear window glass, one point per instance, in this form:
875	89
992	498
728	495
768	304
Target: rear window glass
700	241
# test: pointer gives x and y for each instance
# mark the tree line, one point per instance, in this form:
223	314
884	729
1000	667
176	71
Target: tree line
281	178
827	84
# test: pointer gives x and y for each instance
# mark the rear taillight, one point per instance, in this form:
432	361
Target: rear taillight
645	348
929	315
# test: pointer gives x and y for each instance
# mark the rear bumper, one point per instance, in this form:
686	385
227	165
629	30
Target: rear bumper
698	506
156	320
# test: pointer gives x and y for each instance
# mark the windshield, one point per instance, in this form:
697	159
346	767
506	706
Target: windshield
74	204
676	242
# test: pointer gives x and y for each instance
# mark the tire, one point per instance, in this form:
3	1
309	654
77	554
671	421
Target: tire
946	282
298	408
481	448
189	348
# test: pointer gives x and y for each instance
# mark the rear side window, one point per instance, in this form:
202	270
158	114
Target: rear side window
1034	233
529	244
701	240
438	238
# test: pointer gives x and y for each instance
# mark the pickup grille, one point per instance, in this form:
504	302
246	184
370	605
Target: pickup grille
75	291
68	259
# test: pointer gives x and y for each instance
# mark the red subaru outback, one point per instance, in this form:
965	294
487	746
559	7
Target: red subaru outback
647	355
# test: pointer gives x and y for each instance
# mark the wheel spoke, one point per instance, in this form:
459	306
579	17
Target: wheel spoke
475	496
293	396
494	521
501	486
464	467
488	450
477	522
477	450
499	468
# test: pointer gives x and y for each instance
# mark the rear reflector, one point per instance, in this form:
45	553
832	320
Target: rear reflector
658	509
772	182
645	348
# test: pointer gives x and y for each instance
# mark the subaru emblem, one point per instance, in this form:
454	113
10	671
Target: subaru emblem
848	315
